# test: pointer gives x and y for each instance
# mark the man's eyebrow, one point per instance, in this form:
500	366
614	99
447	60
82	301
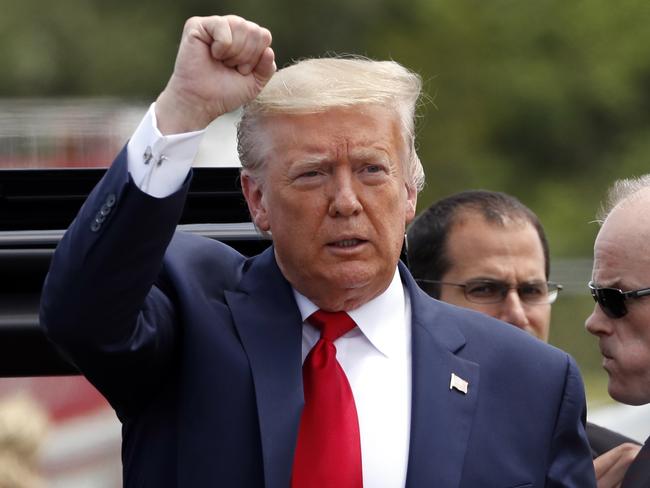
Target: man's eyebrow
370	153
485	278
312	159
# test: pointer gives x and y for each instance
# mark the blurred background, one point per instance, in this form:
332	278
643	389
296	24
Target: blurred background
546	100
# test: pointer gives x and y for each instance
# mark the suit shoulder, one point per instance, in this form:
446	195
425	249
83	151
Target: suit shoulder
206	262
503	344
188	246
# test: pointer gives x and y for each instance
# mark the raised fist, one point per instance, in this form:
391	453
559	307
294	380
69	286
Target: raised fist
222	63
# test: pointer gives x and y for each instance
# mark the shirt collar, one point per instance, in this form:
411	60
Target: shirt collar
381	320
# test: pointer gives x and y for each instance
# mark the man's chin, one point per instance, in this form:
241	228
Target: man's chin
626	395
343	284
350	282
613	391
352	275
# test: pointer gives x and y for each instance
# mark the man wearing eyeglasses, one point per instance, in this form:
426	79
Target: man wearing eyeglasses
621	288
472	248
487	251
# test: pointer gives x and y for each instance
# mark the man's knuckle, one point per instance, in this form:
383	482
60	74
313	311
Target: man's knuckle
254	27
234	20
192	22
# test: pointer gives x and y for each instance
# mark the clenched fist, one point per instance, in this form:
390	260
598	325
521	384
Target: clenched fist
222	63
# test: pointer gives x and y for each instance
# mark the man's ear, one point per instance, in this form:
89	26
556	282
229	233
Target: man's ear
411	203
254	194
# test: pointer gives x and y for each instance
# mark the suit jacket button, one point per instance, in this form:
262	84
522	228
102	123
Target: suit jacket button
105	210
110	200
99	218
95	226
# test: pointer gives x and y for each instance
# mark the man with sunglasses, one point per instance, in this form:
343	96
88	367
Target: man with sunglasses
621	288
487	251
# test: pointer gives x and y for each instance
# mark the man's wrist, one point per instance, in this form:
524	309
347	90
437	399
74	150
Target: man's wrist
177	115
159	164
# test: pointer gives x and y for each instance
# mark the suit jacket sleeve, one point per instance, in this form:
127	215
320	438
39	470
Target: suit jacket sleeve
570	460
99	304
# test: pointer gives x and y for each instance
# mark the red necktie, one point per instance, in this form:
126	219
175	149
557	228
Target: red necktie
328	452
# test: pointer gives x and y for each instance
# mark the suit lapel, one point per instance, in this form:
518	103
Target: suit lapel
270	328
441	417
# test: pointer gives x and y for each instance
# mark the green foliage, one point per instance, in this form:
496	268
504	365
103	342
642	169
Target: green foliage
85	48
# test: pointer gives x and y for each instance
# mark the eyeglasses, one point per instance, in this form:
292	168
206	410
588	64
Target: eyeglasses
492	291
612	300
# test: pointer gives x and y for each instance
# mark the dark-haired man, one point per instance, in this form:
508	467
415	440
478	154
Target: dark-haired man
485	251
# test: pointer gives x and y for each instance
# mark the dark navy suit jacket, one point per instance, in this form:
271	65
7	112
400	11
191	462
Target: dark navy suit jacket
198	349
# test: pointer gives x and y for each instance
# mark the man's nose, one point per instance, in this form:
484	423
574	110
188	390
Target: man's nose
344	200
512	310
598	323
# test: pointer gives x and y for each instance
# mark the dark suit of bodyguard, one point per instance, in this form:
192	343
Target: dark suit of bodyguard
199	349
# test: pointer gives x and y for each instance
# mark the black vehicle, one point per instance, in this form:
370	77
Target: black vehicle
37	205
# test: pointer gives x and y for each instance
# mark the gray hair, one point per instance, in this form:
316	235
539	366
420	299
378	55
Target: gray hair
317	85
621	190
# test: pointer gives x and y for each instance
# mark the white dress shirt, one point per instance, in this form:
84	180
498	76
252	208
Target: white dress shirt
376	355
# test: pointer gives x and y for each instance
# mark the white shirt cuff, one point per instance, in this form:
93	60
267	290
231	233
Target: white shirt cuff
159	164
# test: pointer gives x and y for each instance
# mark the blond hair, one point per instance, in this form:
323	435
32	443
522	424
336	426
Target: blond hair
320	84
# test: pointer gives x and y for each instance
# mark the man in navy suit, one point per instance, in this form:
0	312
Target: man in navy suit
621	288
200	350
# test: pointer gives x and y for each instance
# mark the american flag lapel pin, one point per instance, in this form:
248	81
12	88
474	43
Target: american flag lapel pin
458	383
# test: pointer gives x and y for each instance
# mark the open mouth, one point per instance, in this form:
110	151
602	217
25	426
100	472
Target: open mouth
347	244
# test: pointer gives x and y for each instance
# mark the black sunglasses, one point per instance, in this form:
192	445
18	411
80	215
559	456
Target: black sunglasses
612	300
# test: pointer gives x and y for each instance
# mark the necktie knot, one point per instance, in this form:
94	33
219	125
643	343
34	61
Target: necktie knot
332	325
